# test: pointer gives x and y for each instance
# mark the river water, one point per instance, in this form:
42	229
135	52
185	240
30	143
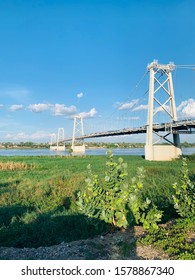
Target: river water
47	152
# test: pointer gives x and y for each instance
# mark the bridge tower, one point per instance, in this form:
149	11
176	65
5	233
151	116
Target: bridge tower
53	142
161	99
57	144
60	140
78	145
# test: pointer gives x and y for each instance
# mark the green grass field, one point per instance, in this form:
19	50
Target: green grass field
38	194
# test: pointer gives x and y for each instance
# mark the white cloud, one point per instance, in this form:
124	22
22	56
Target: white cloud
15	107
183	104
37	108
56	109
90	114
127	105
80	95
187	108
140	108
22	136
61	109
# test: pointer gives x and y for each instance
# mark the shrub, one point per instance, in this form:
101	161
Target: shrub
106	201
184	197
114	200
143	210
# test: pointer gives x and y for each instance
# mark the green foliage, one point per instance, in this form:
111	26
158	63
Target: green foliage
184	197
143	209
115	201
177	239
70	151
35	230
107	201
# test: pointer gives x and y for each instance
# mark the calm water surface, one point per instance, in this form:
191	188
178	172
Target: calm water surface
47	152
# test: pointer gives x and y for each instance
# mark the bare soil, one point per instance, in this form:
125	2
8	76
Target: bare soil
119	245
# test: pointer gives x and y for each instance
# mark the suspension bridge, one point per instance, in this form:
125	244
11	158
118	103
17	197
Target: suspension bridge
161	98
178	127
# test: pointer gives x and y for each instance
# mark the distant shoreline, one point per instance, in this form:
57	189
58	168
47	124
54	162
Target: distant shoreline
91	146
47	148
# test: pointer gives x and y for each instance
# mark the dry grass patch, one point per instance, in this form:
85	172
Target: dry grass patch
11	165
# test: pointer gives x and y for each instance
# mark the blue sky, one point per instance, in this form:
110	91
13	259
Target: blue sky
64	57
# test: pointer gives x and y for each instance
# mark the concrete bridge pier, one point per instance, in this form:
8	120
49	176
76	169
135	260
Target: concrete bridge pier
162	152
78	150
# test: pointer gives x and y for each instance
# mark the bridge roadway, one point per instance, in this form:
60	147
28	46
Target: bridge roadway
181	127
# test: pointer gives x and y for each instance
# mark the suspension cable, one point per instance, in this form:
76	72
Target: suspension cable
131	93
137	101
191	67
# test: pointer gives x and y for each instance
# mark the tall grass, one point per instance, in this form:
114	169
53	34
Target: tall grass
11	165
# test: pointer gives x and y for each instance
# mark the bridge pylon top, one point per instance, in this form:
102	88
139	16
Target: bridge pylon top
165	67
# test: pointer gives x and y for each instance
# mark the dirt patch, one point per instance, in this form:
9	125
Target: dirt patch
119	245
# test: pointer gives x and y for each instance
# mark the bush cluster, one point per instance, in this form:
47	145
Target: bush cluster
116	201
121	203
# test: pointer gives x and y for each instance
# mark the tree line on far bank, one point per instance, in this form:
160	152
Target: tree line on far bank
110	145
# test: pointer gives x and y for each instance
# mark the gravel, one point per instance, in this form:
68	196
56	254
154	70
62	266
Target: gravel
119	245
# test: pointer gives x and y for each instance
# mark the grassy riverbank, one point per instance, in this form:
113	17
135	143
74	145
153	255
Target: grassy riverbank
38	195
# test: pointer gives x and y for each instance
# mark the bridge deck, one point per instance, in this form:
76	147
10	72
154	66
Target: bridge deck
174	127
